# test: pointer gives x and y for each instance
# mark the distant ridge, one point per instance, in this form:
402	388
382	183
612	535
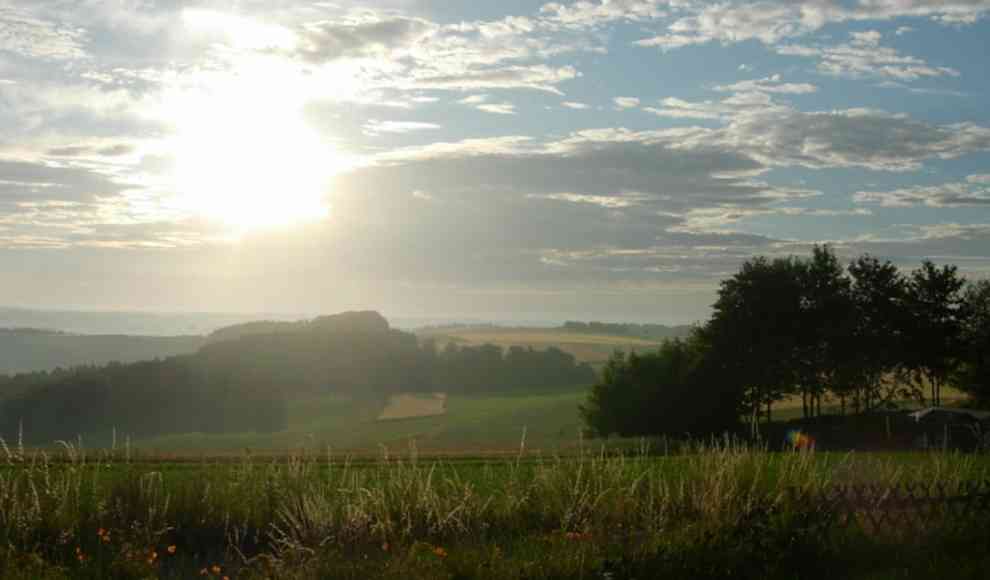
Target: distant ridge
362	322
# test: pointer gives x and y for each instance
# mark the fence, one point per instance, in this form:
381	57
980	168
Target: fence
901	507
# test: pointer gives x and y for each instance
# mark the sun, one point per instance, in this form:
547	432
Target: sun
243	154
252	170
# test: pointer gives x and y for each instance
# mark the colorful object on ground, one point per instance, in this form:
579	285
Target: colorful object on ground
800	440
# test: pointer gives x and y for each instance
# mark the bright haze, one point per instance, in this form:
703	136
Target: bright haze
516	159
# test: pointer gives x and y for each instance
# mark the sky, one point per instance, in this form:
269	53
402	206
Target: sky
510	160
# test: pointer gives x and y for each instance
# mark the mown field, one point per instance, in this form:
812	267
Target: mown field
718	510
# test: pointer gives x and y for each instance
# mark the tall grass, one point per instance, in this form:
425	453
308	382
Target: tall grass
719	508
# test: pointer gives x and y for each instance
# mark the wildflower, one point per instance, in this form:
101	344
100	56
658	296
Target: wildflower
171	549
204	572
101	532
440	552
152	556
216	569
385	547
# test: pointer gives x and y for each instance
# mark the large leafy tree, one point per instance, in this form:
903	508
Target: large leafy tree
671	391
935	325
755	329
879	294
826	321
974	374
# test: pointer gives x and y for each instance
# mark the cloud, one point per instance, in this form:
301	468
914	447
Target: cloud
771	22
864	57
26	181
536	77
93	150
375	127
473	100
780	135
771	84
626	102
851	138
498	108
363	35
481	103
590	14
974	191
574	105
679	109
25	33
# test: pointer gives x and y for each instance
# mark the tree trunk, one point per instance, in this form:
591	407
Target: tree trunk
931	382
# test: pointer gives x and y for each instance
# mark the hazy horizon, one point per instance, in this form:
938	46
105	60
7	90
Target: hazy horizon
160	323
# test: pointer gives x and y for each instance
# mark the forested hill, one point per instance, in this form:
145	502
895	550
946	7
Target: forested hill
366	322
242	383
27	349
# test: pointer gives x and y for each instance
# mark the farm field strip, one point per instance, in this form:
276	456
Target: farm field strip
414	405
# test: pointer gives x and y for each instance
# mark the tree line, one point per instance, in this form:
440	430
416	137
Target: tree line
864	335
242	380
645	331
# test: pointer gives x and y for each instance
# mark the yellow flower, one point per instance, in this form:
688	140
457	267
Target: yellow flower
171	549
215	569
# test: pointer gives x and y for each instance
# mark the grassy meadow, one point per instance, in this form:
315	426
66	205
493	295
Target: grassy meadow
547	418
718	510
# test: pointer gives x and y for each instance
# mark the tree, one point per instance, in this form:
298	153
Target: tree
753	331
826	319
934	337
973	376
670	391
879	295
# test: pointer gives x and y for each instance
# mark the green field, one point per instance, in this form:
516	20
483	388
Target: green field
547	417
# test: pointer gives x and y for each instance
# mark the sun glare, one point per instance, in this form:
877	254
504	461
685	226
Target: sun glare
244	155
251	168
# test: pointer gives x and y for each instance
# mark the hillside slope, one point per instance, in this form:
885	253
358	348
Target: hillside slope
26	350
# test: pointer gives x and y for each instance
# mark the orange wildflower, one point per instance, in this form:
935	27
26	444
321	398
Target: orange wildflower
215	569
440	552
171	549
